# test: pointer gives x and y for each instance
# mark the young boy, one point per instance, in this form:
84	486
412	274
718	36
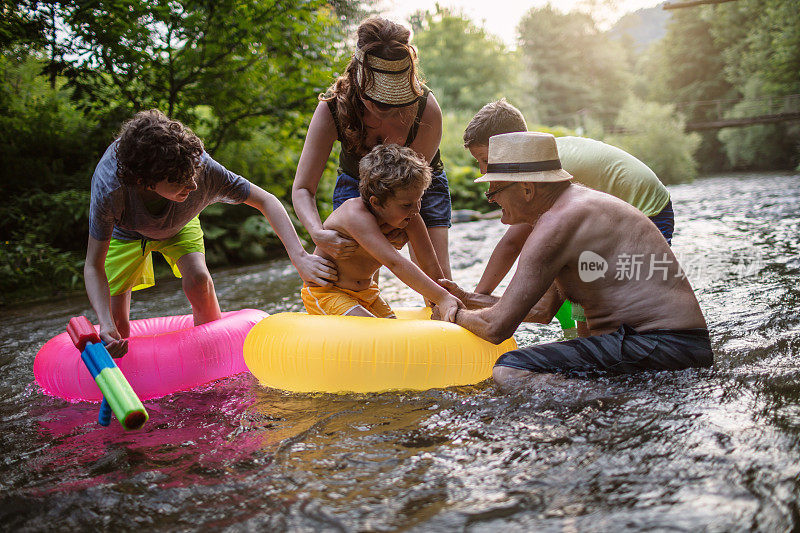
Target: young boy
592	163
392	181
147	192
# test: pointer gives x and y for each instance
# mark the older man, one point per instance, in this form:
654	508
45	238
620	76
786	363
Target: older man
592	163
594	249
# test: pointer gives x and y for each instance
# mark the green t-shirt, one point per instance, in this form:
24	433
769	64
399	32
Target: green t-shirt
608	169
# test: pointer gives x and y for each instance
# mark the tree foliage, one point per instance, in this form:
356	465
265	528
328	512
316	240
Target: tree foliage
748	50
684	69
760	38
766	146
657	138
761	49
686	65
571	66
463	65
242	60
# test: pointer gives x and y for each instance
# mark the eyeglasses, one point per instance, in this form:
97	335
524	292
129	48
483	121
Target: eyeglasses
491	194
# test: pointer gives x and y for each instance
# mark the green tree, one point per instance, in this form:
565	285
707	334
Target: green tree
571	66
243	60
760	38
686	68
748	50
19	25
656	137
761	146
44	179
464	65
761	48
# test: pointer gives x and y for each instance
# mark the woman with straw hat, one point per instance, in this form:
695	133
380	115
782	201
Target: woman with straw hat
378	100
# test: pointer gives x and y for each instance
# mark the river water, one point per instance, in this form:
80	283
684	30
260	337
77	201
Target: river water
715	449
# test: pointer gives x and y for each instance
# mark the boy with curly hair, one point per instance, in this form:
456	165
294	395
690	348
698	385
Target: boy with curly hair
147	192
392	181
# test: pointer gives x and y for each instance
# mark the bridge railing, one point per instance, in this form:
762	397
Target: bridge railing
740	107
701	114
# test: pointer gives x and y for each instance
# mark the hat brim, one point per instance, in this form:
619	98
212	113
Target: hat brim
393	89
544	176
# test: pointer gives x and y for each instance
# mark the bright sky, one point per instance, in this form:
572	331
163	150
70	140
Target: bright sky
500	17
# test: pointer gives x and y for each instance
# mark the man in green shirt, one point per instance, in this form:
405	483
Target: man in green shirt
592	163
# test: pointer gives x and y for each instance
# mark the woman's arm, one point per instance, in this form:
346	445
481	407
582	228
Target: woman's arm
429	135
312	268
316	150
420	242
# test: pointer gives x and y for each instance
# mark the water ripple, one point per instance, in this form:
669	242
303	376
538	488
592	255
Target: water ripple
710	449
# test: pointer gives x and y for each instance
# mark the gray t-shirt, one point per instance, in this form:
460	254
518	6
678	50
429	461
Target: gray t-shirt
118	211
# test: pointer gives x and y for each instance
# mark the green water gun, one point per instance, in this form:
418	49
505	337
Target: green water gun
564	317
118	396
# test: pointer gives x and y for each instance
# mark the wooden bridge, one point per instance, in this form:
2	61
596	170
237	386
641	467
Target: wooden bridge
717	114
705	114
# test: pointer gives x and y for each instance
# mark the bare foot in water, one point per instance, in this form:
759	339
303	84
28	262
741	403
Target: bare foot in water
509	379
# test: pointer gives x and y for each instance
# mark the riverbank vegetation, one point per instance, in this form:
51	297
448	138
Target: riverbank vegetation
245	76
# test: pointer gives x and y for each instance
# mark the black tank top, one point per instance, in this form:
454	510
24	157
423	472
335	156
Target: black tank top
348	159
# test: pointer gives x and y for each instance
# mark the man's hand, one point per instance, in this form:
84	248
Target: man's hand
397	237
455	290
115	344
334	244
316	270
446	308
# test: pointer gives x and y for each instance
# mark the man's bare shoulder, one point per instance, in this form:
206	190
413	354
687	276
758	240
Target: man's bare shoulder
592	201
568	211
578	216
580	205
596	220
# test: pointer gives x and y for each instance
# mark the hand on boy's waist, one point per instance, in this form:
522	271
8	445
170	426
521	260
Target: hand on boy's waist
334	244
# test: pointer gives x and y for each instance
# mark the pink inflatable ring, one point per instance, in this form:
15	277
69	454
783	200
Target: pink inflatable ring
165	355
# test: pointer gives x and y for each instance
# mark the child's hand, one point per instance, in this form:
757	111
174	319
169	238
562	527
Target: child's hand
446	308
316	270
397	238
115	344
455	290
334	243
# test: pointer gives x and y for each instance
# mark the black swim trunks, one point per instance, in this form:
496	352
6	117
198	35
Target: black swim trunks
623	351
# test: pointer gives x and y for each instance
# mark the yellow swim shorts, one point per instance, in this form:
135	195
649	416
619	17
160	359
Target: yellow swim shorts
338	301
129	264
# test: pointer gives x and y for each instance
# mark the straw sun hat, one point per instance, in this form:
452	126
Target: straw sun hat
524	156
392	80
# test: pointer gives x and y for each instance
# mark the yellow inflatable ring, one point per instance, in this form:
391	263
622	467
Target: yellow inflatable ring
312	353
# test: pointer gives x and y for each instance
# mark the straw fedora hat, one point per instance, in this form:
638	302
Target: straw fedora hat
393	81
524	156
